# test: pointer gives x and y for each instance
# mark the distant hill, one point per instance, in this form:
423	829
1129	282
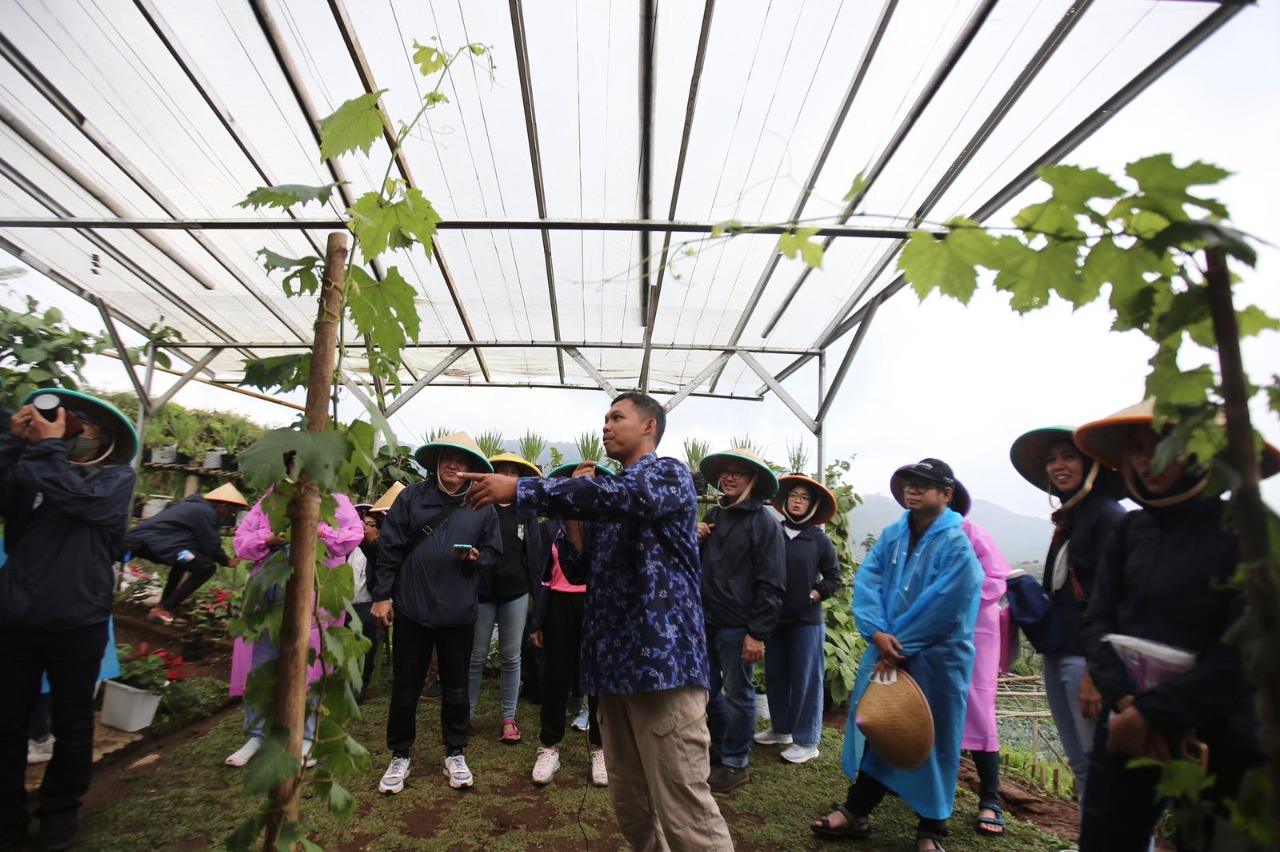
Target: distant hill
1021	538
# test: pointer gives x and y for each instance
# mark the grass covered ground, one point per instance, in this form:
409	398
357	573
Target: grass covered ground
185	798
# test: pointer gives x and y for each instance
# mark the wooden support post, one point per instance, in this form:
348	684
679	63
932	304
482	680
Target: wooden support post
1055	780
304	519
1258	567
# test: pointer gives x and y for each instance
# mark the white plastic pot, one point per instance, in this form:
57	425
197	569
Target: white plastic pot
127	708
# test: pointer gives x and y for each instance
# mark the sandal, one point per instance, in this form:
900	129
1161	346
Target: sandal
159	615
990	826
933	838
856	825
510	733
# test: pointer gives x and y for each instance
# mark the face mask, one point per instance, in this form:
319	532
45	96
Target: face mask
80	445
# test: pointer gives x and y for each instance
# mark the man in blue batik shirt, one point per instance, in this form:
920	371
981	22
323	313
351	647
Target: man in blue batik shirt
643	645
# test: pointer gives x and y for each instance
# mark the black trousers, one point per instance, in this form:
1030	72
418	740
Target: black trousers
866	792
561	653
71	659
411	657
184	577
373	632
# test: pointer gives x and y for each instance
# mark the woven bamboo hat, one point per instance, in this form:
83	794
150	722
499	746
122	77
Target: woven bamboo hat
713	465
227	493
1104	439
825	508
529	467
384	502
567	469
896	720
1031	448
125	445
429	453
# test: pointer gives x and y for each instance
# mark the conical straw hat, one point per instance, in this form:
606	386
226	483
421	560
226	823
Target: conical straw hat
227	493
568	468
896	721
713	464
125	445
385	501
1029	451
826	501
429	454
529	467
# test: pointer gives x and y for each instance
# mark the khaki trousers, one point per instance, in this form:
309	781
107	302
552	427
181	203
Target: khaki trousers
656	746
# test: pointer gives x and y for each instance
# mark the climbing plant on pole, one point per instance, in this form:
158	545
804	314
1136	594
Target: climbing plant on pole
1163	254
322	460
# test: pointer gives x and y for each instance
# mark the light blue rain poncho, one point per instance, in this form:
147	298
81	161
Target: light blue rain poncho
929	602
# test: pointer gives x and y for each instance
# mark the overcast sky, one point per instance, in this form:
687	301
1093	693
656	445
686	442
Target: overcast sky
939	379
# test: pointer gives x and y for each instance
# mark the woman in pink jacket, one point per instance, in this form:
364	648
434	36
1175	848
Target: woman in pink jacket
981	739
255	541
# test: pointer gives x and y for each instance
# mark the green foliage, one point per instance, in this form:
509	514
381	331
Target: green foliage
304	273
844	645
41	350
193	697
799	242
797	456
490	442
589	447
694	452
318	457
393	220
531	446
351	127
384	310
285	195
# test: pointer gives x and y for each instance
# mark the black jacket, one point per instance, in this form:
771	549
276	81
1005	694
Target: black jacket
1091	523
190	525
1164	577
811	564
572	564
63	532
743	569
509	578
422	575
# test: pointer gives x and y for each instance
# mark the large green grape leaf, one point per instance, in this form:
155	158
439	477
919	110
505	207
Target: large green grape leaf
318	456
286	195
354	125
384	310
949	264
1164	185
380	224
800	242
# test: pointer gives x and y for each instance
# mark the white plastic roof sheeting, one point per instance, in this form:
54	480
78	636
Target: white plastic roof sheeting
164	109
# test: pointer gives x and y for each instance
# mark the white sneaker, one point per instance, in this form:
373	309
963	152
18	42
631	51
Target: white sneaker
459	775
599	774
772	737
246	752
547	764
797	753
393	779
582	721
40	752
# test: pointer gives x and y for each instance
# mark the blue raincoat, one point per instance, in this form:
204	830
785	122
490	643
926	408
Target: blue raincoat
929	602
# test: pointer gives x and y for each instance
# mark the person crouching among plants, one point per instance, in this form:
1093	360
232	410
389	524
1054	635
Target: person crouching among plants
186	537
65	491
1166	577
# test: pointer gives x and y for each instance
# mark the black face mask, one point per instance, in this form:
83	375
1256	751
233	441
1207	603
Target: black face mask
81	445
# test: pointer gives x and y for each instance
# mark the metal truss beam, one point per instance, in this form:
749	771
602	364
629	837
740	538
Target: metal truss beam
182	381
430	376
779	391
519	344
654	295
114	333
605	384
698	380
535	162
495	224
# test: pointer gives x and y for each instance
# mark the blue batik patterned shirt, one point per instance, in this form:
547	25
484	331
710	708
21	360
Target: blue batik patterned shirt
643	629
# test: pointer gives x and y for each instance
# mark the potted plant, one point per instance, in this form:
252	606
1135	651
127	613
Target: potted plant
185	429
132	697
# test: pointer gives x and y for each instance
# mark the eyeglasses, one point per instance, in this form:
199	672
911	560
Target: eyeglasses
917	485
735	474
371	523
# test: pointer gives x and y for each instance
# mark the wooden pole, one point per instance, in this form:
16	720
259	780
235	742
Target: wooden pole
1256	562
304	519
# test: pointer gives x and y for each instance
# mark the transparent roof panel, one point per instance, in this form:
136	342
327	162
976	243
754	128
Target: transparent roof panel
166	109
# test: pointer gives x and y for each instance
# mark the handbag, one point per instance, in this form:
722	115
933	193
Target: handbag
1032	610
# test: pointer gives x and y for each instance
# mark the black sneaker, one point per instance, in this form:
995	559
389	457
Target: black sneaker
726	778
431	692
57	832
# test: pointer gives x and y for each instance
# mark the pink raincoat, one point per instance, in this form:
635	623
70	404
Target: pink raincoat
251	543
980	717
